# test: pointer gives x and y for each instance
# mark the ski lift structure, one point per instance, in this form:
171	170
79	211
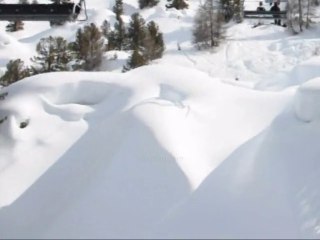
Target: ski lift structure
253	13
43	12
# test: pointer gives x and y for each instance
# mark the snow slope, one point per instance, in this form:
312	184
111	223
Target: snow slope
199	144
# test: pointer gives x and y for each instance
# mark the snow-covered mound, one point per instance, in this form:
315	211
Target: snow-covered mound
125	156
200	144
307	101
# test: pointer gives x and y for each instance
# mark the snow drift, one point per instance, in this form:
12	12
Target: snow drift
219	144
157	161
307	101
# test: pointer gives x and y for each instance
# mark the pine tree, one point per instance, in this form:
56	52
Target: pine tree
120	34
136	60
88	47
105	28
112	41
62	54
227	7
105	31
118	9
146	42
119	28
208	29
177	4
237	10
153	44
147	3
16	70
79	47
53	55
136	32
14	26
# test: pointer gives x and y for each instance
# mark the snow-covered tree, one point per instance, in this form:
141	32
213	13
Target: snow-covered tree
208	29
118	9
105	28
119	28
53	55
300	13
105	31
146	41
230	9
137	59
120	34
153	44
237	10
227	9
112	41
136	32
16	70
311	11
88	47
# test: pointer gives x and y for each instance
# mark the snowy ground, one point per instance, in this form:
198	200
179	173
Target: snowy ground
220	144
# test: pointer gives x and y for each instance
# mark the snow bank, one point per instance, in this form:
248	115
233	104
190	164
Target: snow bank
267	188
305	71
183	148
54	108
307	101
118	152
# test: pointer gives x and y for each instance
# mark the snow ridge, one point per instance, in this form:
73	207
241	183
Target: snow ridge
216	144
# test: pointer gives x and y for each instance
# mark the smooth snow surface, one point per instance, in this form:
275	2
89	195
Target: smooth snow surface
307	101
199	144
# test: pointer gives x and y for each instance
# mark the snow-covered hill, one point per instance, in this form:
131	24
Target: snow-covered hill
199	144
